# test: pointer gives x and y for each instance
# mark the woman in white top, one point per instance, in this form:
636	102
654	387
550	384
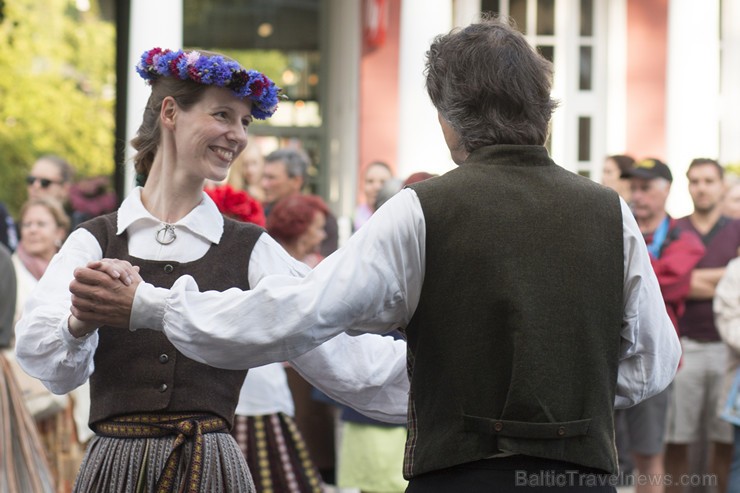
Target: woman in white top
168	437
44	226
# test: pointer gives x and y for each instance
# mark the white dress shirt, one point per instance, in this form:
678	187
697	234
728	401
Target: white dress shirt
367	373
373	285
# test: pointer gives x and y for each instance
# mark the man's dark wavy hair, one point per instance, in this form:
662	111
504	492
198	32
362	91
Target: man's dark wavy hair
491	86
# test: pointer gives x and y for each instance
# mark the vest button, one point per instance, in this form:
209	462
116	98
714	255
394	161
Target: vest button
561	431
163	358
163	387
498	426
168	269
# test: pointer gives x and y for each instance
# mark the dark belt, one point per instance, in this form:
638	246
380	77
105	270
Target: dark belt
184	426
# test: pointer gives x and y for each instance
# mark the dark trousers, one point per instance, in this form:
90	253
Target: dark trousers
516	474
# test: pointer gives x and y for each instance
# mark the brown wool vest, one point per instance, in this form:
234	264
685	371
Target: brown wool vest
514	345
141	372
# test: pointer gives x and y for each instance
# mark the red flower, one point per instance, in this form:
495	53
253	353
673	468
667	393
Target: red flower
257	86
173	64
152	52
194	74
238	80
237	204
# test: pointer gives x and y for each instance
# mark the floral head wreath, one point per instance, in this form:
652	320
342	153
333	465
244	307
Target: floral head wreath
212	70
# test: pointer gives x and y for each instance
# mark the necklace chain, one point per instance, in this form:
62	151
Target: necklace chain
166	234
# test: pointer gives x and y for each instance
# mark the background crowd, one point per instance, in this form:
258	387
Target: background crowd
687	429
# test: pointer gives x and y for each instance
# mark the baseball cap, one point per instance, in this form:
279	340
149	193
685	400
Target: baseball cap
649	169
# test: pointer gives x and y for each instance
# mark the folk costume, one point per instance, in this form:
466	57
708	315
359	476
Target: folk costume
268	436
376	383
163	397
161	417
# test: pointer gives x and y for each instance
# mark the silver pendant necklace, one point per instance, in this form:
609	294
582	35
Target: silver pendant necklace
166	234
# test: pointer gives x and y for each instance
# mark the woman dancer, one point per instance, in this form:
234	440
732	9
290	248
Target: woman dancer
162	418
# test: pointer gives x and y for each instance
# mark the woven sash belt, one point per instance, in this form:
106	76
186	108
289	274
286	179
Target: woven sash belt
184	426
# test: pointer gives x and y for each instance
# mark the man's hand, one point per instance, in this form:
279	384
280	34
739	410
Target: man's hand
102	294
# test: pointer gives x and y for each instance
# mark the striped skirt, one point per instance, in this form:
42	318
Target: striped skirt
133	465
276	454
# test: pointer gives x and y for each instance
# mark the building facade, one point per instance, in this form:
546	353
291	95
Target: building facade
650	78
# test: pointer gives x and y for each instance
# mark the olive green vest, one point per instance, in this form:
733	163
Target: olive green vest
141	372
514	346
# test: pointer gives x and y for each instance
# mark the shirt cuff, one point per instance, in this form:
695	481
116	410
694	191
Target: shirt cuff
621	402
147	311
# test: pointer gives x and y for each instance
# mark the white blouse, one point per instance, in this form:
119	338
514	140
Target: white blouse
265	391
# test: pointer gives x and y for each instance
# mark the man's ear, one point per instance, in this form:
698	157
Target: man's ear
168	113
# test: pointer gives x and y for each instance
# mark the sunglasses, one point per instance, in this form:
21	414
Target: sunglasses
44	182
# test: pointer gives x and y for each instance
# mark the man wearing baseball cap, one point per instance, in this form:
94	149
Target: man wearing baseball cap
673	254
649	169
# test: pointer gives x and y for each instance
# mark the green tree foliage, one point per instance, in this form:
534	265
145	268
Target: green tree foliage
57	83
733	169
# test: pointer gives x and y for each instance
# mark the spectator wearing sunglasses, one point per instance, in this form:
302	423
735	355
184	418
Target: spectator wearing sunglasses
52	177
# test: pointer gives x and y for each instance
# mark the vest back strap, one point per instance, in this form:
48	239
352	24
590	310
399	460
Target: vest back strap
564	429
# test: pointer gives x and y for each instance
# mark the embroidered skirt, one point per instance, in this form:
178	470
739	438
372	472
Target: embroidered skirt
276	454
63	451
133	465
